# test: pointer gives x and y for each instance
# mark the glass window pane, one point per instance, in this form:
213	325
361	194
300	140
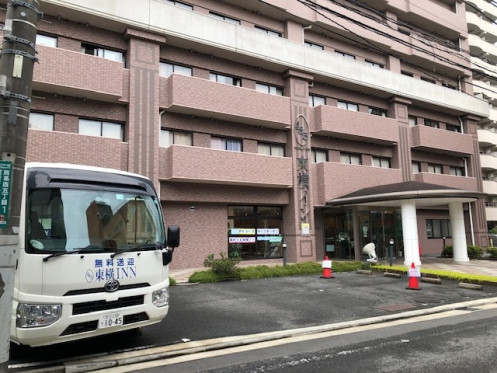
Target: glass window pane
218	143
183	70
112	55
165	69
262	87
182	138
90	127
48	41
112	130
264	149
164	138
234	145
41	121
278	150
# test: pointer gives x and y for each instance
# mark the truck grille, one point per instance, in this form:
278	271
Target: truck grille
102	305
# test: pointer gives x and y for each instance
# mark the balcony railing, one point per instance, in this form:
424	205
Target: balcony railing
211	166
330	120
195	96
459	182
79	75
439	140
347	179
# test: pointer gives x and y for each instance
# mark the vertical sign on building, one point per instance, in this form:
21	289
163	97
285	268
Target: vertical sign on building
302	138
5	180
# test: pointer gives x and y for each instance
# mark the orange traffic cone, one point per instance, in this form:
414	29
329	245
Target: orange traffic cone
413	278
327	268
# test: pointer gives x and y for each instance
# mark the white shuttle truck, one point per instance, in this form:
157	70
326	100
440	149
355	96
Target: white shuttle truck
93	254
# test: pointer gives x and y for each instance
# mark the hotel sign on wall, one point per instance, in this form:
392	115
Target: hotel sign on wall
263	234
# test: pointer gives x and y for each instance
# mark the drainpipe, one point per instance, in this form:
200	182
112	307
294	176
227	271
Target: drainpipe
461	124
160	122
471	224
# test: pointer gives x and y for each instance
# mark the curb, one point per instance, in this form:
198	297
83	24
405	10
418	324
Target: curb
164	352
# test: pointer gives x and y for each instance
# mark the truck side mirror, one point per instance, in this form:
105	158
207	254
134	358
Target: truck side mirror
172	236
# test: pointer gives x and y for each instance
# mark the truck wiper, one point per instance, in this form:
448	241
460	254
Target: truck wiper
158	246
63	253
83	250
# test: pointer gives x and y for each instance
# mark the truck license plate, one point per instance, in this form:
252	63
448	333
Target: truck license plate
110	319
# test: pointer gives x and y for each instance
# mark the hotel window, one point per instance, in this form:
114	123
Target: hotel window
100	128
170	137
347	105
432	123
179	4
102	52
450	86
319	155
225	79
416	167
224	18
316	100
267	31
346	55
438	228
350	158
313	45
276	150
381	162
377	111
166	69
406	73
271	89
374	64
413	121
48	41
255	232
224	143
41	121
457	171
435	168
453	128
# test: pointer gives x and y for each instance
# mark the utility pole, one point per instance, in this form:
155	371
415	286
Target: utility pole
17	60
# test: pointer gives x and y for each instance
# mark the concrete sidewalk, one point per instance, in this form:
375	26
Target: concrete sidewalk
474	266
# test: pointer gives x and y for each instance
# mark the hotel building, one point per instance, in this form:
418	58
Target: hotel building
274	130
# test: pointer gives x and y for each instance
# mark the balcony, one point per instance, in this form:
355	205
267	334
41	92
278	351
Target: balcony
459	182
490	187
488	162
480	47
441	141
76	149
76	76
346	124
491	213
487	139
483	28
201	97
211	166
346	179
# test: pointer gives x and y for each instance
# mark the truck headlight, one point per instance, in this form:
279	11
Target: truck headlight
35	315
160	298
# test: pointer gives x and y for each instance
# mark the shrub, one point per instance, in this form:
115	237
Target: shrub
492	251
475	252
447	252
225	267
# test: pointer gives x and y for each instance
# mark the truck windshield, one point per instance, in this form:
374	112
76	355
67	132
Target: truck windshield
91	220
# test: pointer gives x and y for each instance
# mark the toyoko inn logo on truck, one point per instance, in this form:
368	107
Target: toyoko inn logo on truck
107	269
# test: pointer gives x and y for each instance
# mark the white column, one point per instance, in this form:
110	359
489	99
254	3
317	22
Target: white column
410	233
459	246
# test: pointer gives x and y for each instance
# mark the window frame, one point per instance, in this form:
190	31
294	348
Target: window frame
383	162
170	68
350	157
269	89
38	126
313	98
347	105
322	152
226	141
236	82
171	134
273	147
222	17
102	124
99	51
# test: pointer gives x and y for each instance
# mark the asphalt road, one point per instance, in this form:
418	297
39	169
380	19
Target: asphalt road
205	311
